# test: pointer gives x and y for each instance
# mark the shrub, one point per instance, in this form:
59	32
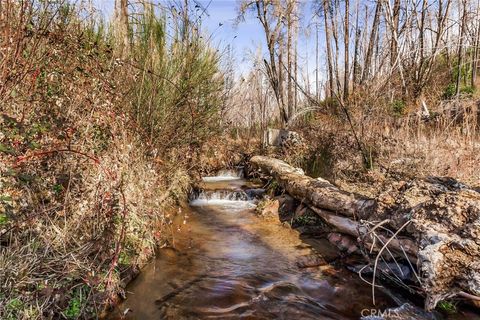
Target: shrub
398	107
449	91
81	135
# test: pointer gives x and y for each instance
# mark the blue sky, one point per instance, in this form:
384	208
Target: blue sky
244	37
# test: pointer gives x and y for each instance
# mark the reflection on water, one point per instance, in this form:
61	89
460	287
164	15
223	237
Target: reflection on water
230	264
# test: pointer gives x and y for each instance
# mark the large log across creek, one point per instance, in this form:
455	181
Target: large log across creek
433	224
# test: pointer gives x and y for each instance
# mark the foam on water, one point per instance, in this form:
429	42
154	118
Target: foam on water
225	175
223	198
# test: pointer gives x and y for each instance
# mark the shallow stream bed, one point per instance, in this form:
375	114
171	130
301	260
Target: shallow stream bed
228	263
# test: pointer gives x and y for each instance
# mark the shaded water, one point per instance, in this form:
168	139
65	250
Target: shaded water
230	264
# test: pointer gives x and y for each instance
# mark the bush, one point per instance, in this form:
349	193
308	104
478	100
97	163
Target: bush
81	135
398	107
451	90
177	89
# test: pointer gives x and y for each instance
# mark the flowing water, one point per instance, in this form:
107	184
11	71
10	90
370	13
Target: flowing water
227	263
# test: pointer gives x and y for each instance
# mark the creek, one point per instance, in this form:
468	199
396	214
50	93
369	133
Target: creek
225	262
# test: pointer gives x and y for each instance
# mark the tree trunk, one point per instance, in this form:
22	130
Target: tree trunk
421	221
290	5
371	42
326	9
394	33
419	70
347	44
122	29
334	28
460	47
316	192
355	229
295	57
317	84
476	50
356	49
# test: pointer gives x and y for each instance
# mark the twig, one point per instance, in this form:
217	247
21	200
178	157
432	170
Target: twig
466	295
380	253
21	159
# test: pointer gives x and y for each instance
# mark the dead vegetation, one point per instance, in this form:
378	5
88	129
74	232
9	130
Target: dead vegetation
397	148
88	180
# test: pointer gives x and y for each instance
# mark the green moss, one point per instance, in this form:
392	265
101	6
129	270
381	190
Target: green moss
447	307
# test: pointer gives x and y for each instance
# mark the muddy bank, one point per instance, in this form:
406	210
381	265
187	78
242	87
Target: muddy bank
429	226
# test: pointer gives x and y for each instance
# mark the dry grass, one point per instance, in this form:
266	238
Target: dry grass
83	198
399	146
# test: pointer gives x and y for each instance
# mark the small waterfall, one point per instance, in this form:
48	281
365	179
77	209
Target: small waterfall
226	175
224	198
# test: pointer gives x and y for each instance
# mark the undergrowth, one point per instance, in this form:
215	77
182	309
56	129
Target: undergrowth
399	147
94	151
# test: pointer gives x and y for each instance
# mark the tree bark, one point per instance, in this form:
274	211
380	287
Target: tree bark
326	8
356	49
476	50
394	33
419	70
371	42
316	192
122	28
333	20
355	229
346	79
317	83
460	47
422	220
290	9
295	56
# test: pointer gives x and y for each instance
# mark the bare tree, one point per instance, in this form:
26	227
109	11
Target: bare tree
326	9
371	43
290	15
271	15
394	32
317	83
122	28
358	33
346	48
476	49
460	46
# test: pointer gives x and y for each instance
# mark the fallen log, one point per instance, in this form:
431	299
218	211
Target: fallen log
318	193
441	218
